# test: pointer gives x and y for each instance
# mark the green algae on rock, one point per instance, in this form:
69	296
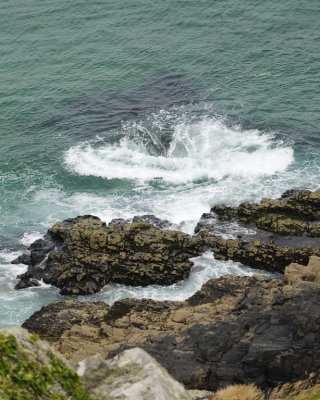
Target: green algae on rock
31	370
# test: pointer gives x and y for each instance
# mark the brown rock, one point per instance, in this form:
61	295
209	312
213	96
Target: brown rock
235	329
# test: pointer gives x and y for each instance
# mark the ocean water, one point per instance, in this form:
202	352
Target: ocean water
124	108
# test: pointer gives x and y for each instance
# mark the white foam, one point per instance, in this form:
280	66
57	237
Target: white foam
205	268
30	237
206	149
206	162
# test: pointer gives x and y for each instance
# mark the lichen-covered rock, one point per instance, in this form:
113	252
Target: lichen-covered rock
89	254
269	235
235	329
257	253
132	375
295	213
31	370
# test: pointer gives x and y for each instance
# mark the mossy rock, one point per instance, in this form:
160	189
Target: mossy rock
88	255
30	370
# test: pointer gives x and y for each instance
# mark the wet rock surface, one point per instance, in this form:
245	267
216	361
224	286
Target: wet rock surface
87	255
234	330
269	235
296	213
81	255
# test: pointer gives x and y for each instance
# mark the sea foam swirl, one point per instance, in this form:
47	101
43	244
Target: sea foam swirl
197	150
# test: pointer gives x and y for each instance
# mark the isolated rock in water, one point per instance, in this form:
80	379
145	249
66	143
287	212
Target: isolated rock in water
235	329
30	369
89	254
133	375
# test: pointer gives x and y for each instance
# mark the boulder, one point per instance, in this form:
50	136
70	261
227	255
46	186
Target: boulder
132	375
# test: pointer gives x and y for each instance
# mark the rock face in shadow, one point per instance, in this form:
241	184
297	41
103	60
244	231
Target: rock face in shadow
88	255
234	330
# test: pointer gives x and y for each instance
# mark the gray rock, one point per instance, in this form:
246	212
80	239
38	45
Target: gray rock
133	375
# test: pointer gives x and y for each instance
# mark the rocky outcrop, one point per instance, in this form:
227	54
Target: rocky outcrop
295	213
269	235
132	375
88	255
257	253
235	329
308	276
81	255
30	369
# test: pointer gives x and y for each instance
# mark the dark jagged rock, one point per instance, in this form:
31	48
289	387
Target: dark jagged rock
151	219
234	330
269	235
26	282
295	213
38	251
63	315
88	255
83	254
256	253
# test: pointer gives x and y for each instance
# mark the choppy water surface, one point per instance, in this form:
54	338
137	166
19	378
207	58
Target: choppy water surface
125	108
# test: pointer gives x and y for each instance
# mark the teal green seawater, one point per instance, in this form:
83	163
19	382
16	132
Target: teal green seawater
119	108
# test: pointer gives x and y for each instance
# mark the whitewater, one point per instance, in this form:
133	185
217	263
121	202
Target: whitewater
174	163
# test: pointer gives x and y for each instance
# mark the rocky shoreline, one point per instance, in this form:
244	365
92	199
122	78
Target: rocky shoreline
263	329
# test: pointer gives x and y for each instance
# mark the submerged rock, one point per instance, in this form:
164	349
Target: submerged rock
235	329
